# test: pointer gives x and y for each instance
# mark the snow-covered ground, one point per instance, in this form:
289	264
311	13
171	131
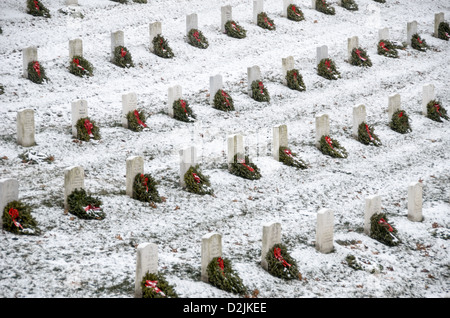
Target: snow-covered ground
94	259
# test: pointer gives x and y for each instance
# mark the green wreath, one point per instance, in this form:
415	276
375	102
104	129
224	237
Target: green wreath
79	66
265	22
294	13
350	5
197	39
324	7
161	47
17	219
85	206
360	58
444	31
122	57
386	48
234	30
400	122
435	111
136	120
222	275
380	1
382	231
87	129
332	147
144	189
260	92
223	101
418	43
182	111
36	72
36	8
366	135
245	169
196	182
290	159
280	263
295	80
155	285
327	69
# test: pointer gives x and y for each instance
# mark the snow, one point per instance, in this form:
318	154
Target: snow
76	258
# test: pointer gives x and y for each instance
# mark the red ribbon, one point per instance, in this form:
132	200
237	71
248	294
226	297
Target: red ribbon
288	152
267	21
418	39
261	87
437	108
225	95
89	126
384	223
183	105
400	115
197	36
37	68
123	52
152	284
144	182
242	162
328	64
447	35
329	142
36	5
382	44
358	52
91	208
77	63
235	27
368	131
15	215
221	265
293	9
196	177
277	254
295	75
136	114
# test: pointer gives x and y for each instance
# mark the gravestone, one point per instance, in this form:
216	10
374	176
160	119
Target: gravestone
174	94
146	261
383	34
415	202
428	95
25	128
287	64
155	29
324	231
258	7
359	116
117	39
129	103
75	48
135	166
188	158
191	22
211	248
394	104
438	18
322	127
321	53
73	179
286	4
71	2
411	29
79	110
253	74
313	4
235	147
226	15
9	191
30	54
280	139
215	84
352	43
373	206
271	236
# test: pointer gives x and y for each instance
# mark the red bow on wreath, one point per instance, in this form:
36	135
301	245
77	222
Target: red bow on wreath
15	215
91	208
144	182
418	39
329	142
77	63
385	224
261	87
196	35
358	52
277	254
288	152
294	10
183	105
368	132
400	115
221	265
242	162
267	21
89	126
196	177
382	45
37	68
437	108
235	27
225	95
328	65
36	5
122	52
152	284
136	114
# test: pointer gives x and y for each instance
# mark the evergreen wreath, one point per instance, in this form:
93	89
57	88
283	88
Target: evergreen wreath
380	1
87	129
122	57
350	5
144	188
382	231
120	1
444	31
79	66
386	48
155	285
290	159
332	148
17	219
280	263
223	101
196	182
260	92
418	43
85	206
32	157
265	22
182	111
360	58
328	70
324	7
400	122
161	47
37	9
366	135
295	80
245	169
435	111
136	120
197	39
36	72
222	275
294	13
234	30
140	1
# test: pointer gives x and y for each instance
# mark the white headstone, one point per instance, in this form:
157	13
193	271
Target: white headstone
352	43
73	179
280	139
286	4
117	39
415	202
411	29
71	2
287	64
215	83
25	128
373	206
146	261
359	116
75	48
79	110
313	4
271	236
428	94
324	231
188	158
226	15
321	53
135	166
253	74
174	94
191	22
211	248
155	28
383	34
394	104
9	191
438	18
129	103
235	147
30	54
258	7
322	127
